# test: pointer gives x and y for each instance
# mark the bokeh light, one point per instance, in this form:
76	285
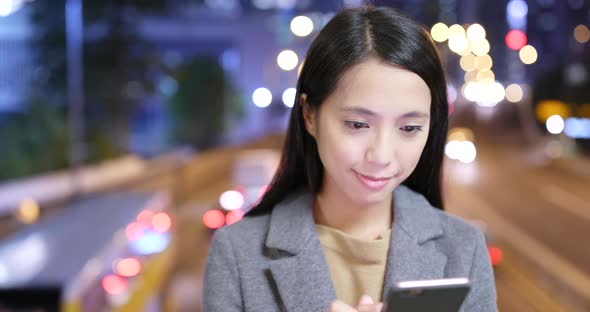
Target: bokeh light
555	124
301	26
231	200
289	97
287	60
516	39
439	32
485	75
476	32
28	211
134	231
582	33
213	219
161	222
514	93
262	97
528	54
547	108
480	47
458	43
114	284
456	29
128	267
484	62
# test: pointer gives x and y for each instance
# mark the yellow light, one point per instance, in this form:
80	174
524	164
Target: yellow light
476	32
485	75
528	54
468	62
471	76
458	43
484	62
456	29
439	32
480	47
301	26
548	108
460	134
584	110
28	211
582	34
287	60
514	93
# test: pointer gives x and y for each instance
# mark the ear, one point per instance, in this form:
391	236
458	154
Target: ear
309	115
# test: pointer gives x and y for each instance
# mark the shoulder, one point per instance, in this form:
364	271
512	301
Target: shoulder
247	229
458	228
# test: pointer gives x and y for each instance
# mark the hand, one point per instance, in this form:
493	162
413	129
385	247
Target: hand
366	304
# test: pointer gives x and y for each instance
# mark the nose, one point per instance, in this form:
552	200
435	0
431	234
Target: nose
381	150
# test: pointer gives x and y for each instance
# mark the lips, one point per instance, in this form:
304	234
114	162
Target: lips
374	183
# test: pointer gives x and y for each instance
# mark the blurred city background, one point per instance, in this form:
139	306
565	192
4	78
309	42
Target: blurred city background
131	129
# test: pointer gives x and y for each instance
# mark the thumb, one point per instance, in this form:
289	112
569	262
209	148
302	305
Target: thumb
366	299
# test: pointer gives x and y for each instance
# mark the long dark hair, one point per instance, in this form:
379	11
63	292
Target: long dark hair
351	37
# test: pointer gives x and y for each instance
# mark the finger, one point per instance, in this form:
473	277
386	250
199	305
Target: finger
365	299
339	306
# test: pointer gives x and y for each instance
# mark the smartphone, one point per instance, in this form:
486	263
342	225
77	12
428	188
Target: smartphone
441	295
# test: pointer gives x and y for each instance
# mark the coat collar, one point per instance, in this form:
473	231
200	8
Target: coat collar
303	277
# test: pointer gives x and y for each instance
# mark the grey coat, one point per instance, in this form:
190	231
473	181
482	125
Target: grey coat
274	261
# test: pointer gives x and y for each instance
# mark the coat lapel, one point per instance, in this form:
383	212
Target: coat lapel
412	254
299	268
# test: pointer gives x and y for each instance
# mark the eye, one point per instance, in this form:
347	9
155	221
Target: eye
411	129
356	125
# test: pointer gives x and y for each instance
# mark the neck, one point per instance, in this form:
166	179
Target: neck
363	221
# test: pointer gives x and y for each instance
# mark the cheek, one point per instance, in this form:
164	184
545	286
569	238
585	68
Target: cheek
412	153
337	149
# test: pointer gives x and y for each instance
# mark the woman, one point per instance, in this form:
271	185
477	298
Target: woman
355	205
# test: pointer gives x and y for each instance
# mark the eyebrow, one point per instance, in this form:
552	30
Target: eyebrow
367	112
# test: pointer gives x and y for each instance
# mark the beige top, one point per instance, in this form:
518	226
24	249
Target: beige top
357	266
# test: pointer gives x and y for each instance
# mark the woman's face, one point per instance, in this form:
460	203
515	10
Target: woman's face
371	131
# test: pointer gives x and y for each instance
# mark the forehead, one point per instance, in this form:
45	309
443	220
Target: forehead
382	88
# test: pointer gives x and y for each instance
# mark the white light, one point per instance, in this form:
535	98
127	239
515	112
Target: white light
301	26
287	60
476	32
468	152
458	43
453	149
5	7
289	97
577	128
262	97
231	200
517	9
555	124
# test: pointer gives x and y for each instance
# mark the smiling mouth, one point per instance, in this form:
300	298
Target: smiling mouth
374	178
374	183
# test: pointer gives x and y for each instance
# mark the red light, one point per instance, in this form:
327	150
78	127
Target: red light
161	222
496	255
234	216
128	267
114	285
134	231
516	39
214	219
145	217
